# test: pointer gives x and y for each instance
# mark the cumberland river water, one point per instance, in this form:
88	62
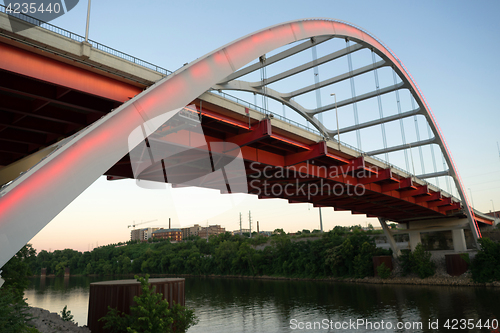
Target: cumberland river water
258	306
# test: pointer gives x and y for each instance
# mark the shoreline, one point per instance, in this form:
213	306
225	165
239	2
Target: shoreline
436	280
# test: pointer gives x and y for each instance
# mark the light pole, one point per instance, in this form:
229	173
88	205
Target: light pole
470	192
337	117
320	220
88	21
494	215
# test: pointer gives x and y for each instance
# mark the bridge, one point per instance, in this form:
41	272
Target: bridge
72	110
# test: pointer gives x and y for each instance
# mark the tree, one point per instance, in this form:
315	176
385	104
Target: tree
16	271
13	307
150	314
418	262
486	264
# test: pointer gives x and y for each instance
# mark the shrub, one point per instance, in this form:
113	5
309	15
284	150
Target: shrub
485	266
383	271
405	260
418	262
66	314
151	314
422	263
363	261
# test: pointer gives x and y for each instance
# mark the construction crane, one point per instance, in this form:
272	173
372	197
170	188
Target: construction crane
136	224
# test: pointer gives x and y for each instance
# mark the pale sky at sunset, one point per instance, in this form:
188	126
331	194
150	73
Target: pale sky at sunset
450	48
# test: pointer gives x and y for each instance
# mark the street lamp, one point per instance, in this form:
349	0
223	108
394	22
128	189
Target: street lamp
470	192
88	21
337	116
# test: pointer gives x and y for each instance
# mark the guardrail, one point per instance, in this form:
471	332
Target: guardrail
80	39
264	111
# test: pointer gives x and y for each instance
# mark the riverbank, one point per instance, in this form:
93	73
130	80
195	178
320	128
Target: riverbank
50	322
436	280
441	278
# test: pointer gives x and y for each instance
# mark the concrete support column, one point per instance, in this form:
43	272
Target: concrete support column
414	239
85	50
459	244
388	234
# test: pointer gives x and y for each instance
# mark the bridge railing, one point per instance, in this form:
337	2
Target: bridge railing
78	38
265	111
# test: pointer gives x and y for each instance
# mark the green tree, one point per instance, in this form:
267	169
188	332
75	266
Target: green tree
363	262
150	314
485	266
16	271
418	261
13	312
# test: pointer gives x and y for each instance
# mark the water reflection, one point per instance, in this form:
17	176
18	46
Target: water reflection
236	305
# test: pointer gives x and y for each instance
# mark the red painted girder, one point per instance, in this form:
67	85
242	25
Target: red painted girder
433	197
314	172
420	190
357	165
260	131
443	202
224	119
403	184
315	151
46	100
289	141
453	206
382	175
42	68
480	219
338	158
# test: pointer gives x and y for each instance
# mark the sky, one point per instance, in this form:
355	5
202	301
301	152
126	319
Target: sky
450	48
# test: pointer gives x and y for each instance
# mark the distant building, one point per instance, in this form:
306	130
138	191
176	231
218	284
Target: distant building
190	231
174	235
211	230
266	233
142	234
242	231
200	231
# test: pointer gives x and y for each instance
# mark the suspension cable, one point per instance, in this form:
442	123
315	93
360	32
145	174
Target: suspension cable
447	178
380	109
418	139
353	92
263	77
403	136
316	82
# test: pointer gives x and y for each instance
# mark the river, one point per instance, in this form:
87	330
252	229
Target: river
258	306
